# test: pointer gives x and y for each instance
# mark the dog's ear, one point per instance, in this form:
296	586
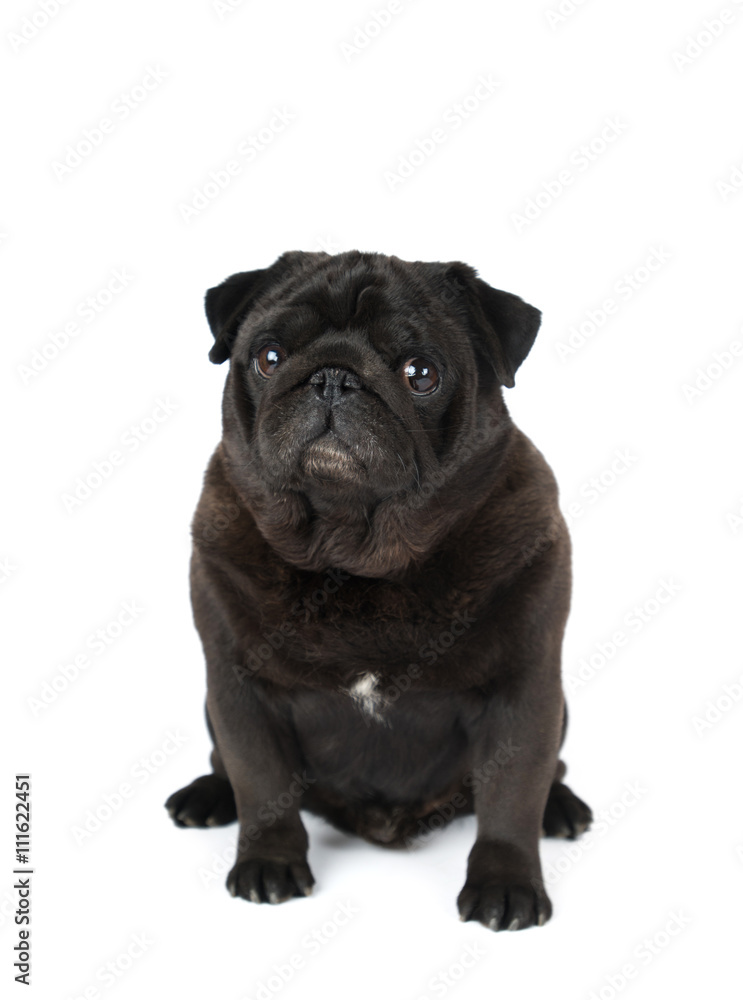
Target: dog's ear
228	304
506	325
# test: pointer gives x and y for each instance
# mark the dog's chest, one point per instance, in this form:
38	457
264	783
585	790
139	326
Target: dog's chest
372	642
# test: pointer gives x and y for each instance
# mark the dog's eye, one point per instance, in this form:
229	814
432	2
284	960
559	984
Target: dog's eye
269	358
422	376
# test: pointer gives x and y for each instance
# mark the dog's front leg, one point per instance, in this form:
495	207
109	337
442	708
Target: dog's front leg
515	745
264	767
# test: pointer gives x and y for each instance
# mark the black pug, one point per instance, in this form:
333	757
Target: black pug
380	578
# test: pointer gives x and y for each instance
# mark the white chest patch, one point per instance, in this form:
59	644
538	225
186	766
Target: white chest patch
367	696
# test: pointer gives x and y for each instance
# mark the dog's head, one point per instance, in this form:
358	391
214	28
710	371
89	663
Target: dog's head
363	414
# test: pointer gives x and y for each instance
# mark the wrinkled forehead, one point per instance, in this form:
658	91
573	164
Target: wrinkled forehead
394	306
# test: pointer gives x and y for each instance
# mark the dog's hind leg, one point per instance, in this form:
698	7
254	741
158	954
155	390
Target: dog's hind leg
565	815
208	800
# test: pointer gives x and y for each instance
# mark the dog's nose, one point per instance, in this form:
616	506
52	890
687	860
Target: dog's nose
331	383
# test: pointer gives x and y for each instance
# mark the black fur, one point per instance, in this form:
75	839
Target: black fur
349	528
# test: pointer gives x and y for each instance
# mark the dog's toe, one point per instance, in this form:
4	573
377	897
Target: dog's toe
500	905
270	880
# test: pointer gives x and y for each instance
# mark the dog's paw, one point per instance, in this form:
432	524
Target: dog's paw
505	905
270	880
207	801
565	815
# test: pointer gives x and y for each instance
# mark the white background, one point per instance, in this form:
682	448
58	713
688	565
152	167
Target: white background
669	514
